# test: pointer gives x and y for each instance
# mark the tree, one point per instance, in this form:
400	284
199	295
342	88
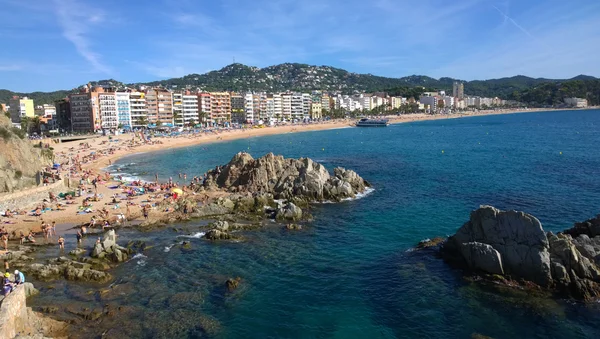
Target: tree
36	124
143	121
201	116
176	117
25	123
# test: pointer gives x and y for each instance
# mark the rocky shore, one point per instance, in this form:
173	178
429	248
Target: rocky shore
511	248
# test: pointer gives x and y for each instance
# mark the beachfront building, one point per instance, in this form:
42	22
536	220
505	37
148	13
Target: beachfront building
449	102
45	111
204	107
237	108
123	110
297	106
574	102
316	109
107	107
220	108
139	112
458	90
249	107
82	117
159	104
63	114
277	107
430	103
178	108
326	102
20	108
190	108
286	106
306	105
365	103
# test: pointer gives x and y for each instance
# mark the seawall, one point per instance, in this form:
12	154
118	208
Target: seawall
17	319
30	196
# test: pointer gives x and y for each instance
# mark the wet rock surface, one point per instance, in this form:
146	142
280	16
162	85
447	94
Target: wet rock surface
514	245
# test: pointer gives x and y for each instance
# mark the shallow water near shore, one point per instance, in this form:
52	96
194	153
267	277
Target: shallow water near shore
351	272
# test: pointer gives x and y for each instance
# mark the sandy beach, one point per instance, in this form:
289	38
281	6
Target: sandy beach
84	161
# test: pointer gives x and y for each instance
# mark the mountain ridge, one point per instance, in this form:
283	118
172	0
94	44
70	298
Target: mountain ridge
303	77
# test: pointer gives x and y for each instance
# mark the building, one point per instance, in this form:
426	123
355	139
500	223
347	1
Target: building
190	108
20	108
574	102
139	112
107	106
249	107
237	108
123	110
63	115
204	107
458	90
316	110
326	102
82	114
430	103
45	111
297	107
178	108
286	106
306	105
220	108
159	103
277	107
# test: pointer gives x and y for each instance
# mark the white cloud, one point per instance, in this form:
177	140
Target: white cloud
75	21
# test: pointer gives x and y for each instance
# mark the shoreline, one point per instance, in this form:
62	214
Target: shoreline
196	140
99	153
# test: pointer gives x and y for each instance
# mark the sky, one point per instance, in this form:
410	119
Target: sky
61	44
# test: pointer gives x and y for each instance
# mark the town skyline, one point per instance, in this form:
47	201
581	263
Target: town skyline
61	44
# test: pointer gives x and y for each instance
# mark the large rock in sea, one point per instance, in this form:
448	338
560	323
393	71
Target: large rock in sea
514	244
285	178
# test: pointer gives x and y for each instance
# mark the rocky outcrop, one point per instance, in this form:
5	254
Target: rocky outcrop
16	319
289	212
285	178
19	160
108	249
68	269
514	244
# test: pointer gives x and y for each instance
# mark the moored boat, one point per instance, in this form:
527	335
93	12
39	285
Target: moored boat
365	122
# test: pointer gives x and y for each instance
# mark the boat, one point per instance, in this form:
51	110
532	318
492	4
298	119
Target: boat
365	122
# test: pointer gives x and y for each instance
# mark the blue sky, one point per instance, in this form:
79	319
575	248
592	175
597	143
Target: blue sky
60	44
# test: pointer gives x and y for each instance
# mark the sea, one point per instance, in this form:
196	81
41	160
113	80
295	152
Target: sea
353	272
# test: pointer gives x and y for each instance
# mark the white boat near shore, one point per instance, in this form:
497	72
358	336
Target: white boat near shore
365	122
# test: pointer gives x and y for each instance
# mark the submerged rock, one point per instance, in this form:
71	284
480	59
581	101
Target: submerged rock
514	244
232	283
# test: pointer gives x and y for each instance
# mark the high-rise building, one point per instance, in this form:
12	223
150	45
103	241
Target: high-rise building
286	106
63	114
237	108
326	102
190	108
178	108
297	106
306	105
139	112
107	107
123	110
20	108
458	90
159	103
82	117
277	107
249	107
220	108
205	108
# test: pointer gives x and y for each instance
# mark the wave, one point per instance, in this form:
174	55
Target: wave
168	248
195	235
141	259
139	256
361	195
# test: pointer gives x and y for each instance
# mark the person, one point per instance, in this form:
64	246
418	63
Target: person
22	238
7	286
83	230
79	237
6	266
54	228
5	241
31	237
19	277
61	242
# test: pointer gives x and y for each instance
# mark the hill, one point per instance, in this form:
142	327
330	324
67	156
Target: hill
303	77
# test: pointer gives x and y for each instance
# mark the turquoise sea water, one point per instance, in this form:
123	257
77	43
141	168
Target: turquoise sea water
351	272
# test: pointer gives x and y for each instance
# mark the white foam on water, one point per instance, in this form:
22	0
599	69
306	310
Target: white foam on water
361	195
138	256
195	235
168	248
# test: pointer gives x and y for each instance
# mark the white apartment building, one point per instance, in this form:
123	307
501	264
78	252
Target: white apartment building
178	109
139	112
297	106
449	102
123	109
46	111
576	102
277	107
306	105
286	106
365	103
107	107
430	103
249	107
189	108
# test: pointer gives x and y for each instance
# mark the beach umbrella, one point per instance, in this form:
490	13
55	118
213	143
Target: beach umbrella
176	190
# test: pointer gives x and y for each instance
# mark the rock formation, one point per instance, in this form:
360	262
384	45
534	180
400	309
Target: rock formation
514	244
285	178
109	249
19	160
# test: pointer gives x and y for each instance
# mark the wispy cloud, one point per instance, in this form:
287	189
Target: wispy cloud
75	20
506	17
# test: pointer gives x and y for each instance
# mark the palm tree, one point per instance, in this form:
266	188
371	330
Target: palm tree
176	117
36	123
201	116
25	122
142	121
